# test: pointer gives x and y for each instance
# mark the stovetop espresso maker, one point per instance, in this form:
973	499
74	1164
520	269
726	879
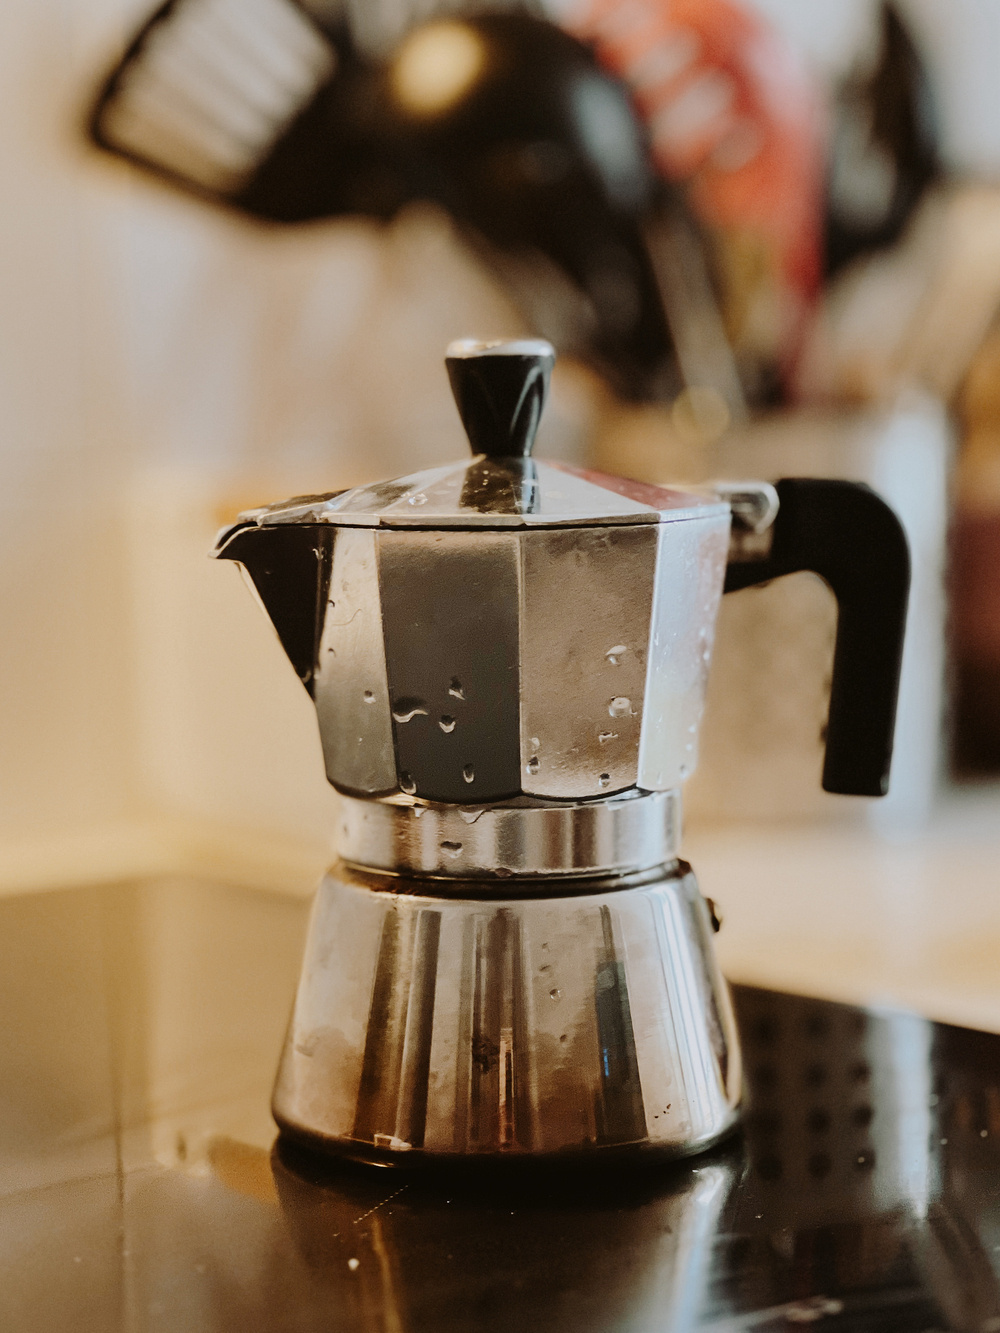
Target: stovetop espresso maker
508	660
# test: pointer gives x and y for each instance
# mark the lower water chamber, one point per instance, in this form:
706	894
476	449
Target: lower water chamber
440	1020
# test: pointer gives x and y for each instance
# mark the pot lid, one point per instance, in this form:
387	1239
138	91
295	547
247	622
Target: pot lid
500	390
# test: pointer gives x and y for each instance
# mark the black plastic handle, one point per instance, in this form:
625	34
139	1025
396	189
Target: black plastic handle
846	534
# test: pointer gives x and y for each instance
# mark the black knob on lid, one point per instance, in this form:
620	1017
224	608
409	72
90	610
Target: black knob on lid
500	390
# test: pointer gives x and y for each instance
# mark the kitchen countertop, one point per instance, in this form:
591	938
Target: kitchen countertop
906	916
141	1189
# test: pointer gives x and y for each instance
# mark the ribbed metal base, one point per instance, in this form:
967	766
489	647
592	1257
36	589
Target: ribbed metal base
449	1027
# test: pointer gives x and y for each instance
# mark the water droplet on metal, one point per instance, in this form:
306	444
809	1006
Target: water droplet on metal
532	764
555	993
407	784
446	723
407	709
455	688
418	499
606	736
615	654
469	773
452	849
470	816
620	707
604	780
369	697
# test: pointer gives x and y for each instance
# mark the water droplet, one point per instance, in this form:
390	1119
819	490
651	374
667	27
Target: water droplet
604	780
369	697
555	993
470	816
418	811
455	688
532	764
446	723
620	706
503	872
354	1264
407	784
606	736
407	709
535	742
452	849
469	773
418	499
615	654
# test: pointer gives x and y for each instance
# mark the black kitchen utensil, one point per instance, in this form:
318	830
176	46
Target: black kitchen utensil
503	119
884	148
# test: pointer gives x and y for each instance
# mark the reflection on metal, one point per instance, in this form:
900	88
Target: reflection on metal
497	1072
349	684
472	667
618	1112
450	626
584	592
497	842
396	1060
449	497
523	1026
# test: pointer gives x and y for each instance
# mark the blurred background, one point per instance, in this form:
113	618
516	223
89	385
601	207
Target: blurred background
765	239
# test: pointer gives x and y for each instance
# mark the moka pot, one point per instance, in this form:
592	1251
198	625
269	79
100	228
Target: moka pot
508	660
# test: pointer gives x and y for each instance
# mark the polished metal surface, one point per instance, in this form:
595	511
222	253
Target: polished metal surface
141	1189
350	688
474	667
690	570
442	1027
496	842
587	597
754	506
452	496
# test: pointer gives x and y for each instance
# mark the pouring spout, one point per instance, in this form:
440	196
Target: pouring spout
289	566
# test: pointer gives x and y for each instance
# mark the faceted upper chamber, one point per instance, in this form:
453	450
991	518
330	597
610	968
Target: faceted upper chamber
557	654
498	627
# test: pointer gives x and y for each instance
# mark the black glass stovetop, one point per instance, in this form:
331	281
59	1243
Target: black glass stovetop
141	1187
